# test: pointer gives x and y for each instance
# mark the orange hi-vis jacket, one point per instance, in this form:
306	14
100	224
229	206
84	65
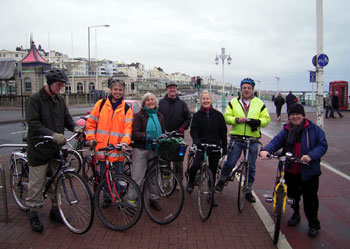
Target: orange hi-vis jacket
108	127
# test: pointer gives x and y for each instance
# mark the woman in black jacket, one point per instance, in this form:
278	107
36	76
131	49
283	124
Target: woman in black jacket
208	126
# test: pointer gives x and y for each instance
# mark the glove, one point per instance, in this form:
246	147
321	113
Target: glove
59	138
181	129
77	129
253	123
149	138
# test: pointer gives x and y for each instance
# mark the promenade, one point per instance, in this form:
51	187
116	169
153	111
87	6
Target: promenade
226	228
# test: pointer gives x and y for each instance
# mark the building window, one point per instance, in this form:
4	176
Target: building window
68	89
80	88
27	85
91	86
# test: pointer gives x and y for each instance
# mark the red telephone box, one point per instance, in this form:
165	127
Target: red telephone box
342	87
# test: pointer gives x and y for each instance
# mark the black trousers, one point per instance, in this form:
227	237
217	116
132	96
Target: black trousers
308	189
278	111
213	164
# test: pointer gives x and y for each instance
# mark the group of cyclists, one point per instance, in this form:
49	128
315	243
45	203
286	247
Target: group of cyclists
112	122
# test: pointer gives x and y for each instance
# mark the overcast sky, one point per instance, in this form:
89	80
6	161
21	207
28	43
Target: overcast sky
265	38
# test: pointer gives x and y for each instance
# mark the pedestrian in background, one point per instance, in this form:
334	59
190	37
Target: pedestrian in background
279	102
335	104
329	108
290	100
305	140
177	117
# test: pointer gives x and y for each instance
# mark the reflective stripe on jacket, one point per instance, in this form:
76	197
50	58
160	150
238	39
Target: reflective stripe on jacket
257	110
108	127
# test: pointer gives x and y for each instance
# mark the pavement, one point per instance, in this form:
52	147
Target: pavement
226	227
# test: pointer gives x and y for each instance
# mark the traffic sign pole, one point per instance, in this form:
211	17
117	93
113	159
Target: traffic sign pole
319	77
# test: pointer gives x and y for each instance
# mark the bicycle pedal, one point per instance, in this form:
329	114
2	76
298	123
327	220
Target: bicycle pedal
290	201
268	198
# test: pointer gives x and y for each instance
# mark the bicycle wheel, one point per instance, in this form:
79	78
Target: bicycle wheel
220	166
89	174
278	213
242	185
190	159
113	207
74	202
74	160
19	179
205	193
161	206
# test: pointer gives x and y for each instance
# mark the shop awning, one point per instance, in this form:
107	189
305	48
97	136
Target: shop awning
7	66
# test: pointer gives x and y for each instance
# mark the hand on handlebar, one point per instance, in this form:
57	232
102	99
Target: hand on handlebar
59	138
305	159
92	143
264	154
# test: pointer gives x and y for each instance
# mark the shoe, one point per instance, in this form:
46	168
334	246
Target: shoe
132	203
250	197
279	118
155	205
106	203
294	220
35	223
154	197
313	232
55	215
190	187
327	118
177	187
220	186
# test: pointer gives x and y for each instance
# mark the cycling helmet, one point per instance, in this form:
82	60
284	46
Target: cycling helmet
54	75
248	81
112	81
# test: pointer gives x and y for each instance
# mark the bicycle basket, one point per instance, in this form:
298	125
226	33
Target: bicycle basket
169	149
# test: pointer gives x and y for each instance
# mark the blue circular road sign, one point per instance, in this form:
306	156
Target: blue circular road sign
322	60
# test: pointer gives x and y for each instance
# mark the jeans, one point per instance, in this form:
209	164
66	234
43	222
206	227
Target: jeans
235	150
329	109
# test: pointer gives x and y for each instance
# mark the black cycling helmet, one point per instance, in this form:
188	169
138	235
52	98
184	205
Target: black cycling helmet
54	75
248	81
112	81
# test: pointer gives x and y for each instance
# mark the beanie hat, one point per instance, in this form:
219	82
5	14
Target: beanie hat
296	108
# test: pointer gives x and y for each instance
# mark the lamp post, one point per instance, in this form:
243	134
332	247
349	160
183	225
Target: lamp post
278	84
223	56
89	67
259	87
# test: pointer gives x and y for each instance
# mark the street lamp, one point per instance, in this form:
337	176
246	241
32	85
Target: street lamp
259	87
223	56
278	84
89	66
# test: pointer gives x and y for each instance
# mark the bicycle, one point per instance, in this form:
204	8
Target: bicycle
204	180
241	171
72	194
120	214
279	198
160	184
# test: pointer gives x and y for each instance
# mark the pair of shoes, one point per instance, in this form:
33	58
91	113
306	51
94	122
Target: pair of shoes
294	220
220	186
155	205
327	118
106	203
313	232
190	187
55	215
250	197
35	223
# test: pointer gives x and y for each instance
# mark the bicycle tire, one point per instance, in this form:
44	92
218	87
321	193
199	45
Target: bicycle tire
205	192
242	185
190	159
19	181
74	202
278	214
120	215
159	194
221	163
74	160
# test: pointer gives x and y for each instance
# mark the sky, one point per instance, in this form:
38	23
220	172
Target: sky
265	38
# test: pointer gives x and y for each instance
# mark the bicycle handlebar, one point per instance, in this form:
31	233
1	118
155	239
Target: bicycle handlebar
287	157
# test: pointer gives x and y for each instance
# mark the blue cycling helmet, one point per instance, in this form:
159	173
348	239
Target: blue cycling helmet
248	81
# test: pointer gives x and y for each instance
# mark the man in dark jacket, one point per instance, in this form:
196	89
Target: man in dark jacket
177	117
335	104
279	102
305	140
46	115
290	100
